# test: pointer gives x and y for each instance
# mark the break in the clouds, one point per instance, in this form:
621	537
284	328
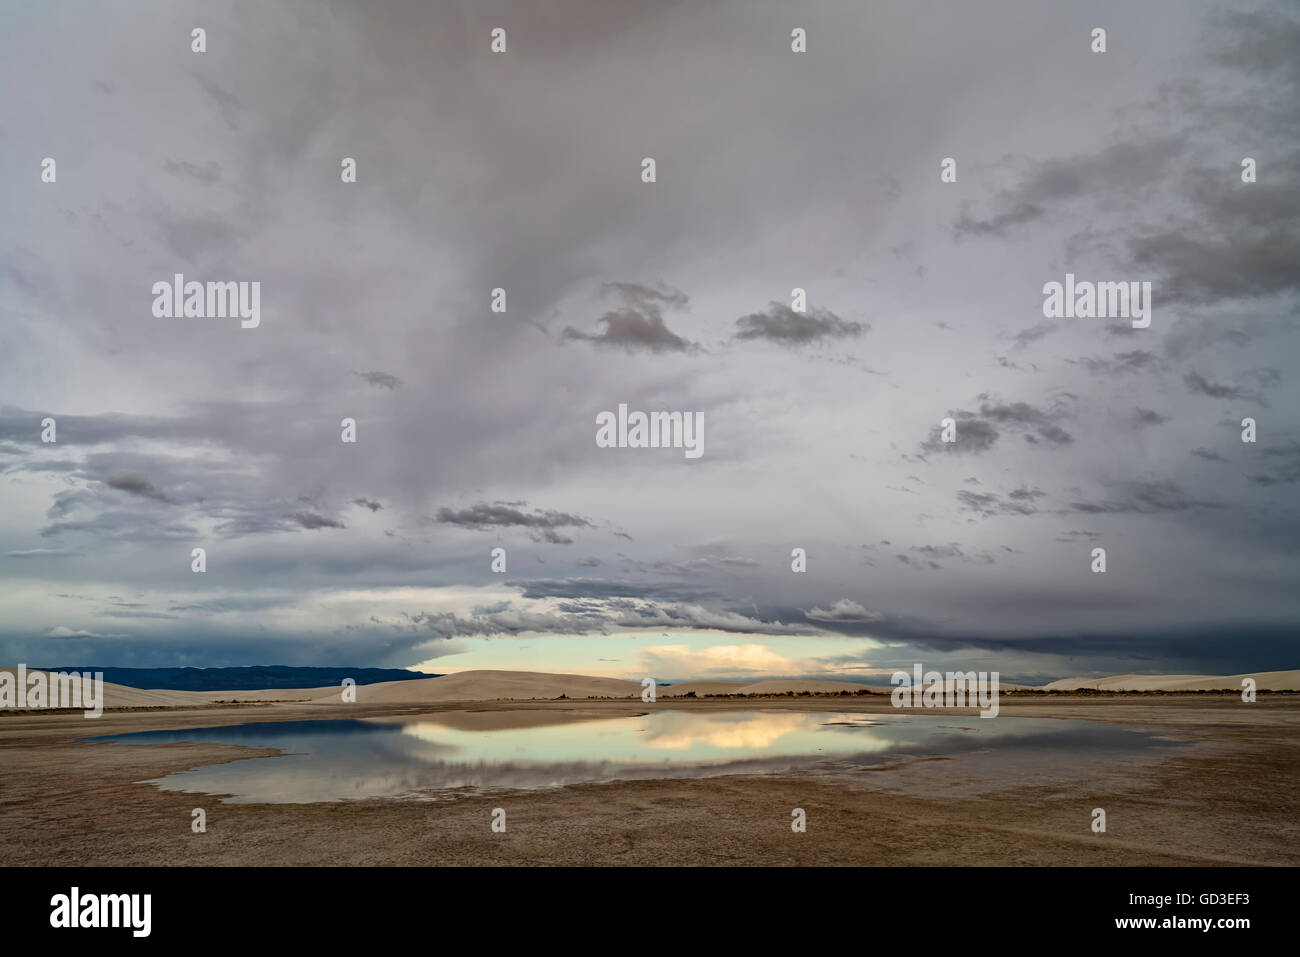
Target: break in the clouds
475	427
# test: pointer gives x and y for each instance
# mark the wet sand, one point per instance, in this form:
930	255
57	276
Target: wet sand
1232	796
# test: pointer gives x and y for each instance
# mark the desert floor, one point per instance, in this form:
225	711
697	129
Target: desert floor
1231	797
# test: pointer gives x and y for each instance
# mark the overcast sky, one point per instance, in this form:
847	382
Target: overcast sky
475	430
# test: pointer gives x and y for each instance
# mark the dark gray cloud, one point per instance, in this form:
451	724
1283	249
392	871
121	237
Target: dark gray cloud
1285	463
639	324
782	325
193	238
1257	261
932	557
978	431
973	435
601	617
542	524
1260	41
1051	434
1194	334
1012	214
602	588
1148	497
179	434
1115	171
1214	647
123	526
313	521
381	380
1208	238
1197	383
1076	535
1122	362
706	562
1026	337
228	105
135	484
1019	501
1147	417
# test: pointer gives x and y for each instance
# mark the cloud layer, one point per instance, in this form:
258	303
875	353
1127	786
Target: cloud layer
475	428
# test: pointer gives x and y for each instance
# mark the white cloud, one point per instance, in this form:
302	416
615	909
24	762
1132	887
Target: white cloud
677	661
63	631
843	610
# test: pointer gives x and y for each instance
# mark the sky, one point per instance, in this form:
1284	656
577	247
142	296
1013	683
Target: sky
476	429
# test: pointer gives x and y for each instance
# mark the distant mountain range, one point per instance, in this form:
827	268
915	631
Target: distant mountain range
254	678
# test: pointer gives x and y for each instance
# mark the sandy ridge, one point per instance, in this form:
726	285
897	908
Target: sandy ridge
485	685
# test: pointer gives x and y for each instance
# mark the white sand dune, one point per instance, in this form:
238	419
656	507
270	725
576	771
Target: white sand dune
532	685
780	686
1264	681
771	686
487	686
701	688
122	696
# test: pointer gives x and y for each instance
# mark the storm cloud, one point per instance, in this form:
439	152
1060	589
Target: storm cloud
475	428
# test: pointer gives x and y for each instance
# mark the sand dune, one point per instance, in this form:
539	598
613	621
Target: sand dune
526	685
771	686
700	688
780	686
1264	681
488	686
122	696
531	685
